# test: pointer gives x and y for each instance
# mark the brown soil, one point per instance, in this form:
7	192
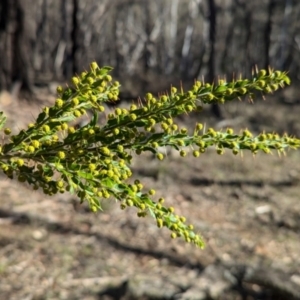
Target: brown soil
247	209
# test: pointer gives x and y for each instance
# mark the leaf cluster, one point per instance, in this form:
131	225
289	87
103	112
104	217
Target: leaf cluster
94	161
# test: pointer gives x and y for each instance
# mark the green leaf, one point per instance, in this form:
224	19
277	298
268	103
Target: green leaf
287	80
152	214
41	117
68	118
151	149
85	175
2	120
94	119
156	137
221	88
104	70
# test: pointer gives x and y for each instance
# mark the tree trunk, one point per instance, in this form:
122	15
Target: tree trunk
14	62
211	61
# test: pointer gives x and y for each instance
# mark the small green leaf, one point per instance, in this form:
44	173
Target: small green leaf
287	80
2	119
94	119
105	70
151	149
220	88
41	117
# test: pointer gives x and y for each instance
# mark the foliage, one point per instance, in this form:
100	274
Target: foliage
93	161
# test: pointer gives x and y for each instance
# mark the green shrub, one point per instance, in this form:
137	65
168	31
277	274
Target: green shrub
93	161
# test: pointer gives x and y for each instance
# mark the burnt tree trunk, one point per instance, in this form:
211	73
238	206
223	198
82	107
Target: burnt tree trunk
5	78
14	62
211	61
74	37
267	33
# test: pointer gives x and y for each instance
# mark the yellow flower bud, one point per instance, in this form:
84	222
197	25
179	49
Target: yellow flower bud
94	66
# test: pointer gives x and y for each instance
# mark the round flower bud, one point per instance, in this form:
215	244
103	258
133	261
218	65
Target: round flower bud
105	150
93	98
235	151
30	149
160	223
118	111
151	192
142	206
189	108
46	128
59	89
71	130
148	96
77	113
75	81
171	209
116	131
220	151
59	103
262	73
199	126
108	78
83	74
247	133
173	235
110	96
7	131
133	107
60	184
35	144
182	219
90	80
64	126
101	108
196	153
92	167
210	96
183	130
132	117
21	178
161	200
94	66
174	127
20	162
129	202
164	98
61	154
180	143
277	73
164	126
182	153
142	214
75	101
123	206
160	156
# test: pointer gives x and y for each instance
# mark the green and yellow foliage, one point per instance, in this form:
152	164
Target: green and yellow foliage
94	161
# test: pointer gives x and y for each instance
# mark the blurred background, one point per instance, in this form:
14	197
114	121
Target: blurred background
247	209
149	43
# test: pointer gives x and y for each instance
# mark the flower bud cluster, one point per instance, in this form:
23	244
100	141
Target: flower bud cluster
93	162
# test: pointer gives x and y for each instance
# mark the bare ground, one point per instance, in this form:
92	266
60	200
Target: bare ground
247	209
